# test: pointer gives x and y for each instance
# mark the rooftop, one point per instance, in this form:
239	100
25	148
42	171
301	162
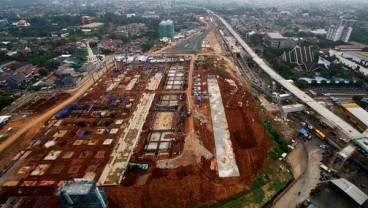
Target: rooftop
357	111
93	25
362	143
77	187
166	22
350	189
275	35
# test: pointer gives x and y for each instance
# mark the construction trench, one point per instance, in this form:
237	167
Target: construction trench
187	124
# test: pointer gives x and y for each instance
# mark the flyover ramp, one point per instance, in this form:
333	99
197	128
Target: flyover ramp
351	132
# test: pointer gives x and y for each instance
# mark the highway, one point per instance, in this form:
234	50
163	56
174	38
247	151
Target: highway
191	45
313	104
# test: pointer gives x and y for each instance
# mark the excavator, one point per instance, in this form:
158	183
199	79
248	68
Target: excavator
143	167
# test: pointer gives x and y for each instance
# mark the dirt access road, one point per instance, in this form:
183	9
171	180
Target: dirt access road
45	116
307	181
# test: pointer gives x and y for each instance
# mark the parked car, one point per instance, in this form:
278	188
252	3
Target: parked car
323	146
311	127
321	123
343	140
334	133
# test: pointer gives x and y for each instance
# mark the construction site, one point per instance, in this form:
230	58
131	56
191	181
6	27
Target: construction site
144	122
202	144
163	130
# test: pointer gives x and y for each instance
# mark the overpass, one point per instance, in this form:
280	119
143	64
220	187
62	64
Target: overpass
317	107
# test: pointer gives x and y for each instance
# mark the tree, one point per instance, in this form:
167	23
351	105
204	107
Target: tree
302	84
148	45
36	88
359	35
256	39
43	72
106	51
5	101
359	83
357	98
50	65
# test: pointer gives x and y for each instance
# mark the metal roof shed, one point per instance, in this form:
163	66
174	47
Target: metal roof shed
362	143
350	189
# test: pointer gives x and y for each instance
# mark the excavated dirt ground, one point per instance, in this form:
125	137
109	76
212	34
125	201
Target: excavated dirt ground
194	185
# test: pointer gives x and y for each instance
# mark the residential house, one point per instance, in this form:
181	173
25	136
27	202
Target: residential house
111	44
65	71
17	81
132	29
8	65
60	33
86	19
22	23
48	81
26	70
3	77
69	81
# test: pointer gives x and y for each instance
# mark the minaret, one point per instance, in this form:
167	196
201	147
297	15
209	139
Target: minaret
91	57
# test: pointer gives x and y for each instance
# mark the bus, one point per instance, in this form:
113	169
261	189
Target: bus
320	134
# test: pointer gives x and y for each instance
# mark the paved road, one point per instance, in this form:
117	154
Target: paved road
330	116
191	45
307	181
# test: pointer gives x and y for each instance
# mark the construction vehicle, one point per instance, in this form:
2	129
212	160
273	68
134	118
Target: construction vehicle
143	167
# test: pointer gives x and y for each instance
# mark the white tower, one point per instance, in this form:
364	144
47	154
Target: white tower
91	57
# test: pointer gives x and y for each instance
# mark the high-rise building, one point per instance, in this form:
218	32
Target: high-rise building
345	35
341	32
167	29
81	193
334	33
348	22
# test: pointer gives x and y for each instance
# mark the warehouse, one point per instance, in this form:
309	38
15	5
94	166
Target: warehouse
351	190
356	114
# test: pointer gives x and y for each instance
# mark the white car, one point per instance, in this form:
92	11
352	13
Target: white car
311	127
323	146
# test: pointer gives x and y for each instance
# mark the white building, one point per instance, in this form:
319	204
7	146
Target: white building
130	15
345	36
336	33
276	40
319	32
150	15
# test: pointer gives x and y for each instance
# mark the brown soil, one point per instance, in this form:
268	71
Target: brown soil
194	185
